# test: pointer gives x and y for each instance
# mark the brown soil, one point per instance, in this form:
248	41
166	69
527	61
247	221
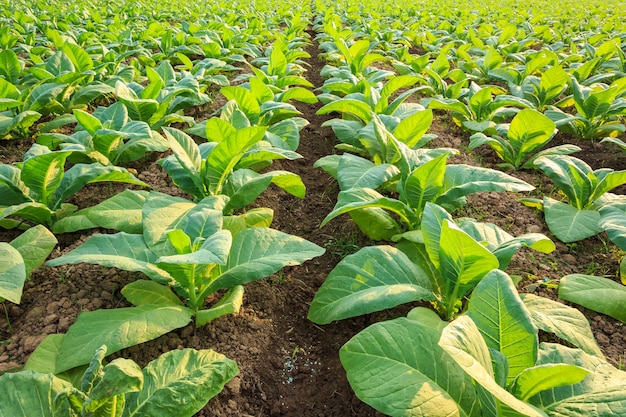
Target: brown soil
288	365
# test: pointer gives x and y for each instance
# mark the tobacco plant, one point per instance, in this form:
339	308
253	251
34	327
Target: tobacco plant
36	189
487	362
522	140
177	383
586	190
189	253
107	136
228	164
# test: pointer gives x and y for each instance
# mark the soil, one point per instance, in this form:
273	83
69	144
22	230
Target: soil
288	365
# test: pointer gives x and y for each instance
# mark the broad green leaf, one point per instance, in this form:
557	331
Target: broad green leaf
502	244
12	273
461	180
360	198
397	367
82	174
613	221
230	303
463	341
10	67
218	130
568	223
226	154
540	378
245	100
125	251
595	293
44	356
351	106
565	322
121	376
463	263
425	183
32	394
121	212
44	173
90	123
373	279
117	329
602	393
32	211
411	129
79	57
180	383
144	292
504	321
34	245
185	150
259	252
529	131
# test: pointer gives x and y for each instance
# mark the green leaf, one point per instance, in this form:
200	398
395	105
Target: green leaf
82	174
411	129
245	100
44	173
259	252
529	131
504	321
397	367
230	303
595	293
12	273
463	263
121	212
602	393
144	292
10	67
34	245
120	377
117	329
125	251
226	154
568	223
565	322
180	383
354	107
463	341
31	394
79	57
373	279
90	123
425	183
540	378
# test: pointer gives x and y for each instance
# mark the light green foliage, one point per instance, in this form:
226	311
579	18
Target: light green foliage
177	383
107	136
36	189
587	191
522	142
19	257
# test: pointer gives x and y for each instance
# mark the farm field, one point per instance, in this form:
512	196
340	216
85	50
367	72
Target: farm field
320	209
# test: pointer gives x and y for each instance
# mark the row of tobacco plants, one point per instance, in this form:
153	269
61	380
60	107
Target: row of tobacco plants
512	82
103	87
99	88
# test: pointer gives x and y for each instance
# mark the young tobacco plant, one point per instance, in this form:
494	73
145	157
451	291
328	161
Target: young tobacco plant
440	263
176	384
36	189
417	177
107	136
598	111
586	190
487	362
522	140
189	252
480	111
227	164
